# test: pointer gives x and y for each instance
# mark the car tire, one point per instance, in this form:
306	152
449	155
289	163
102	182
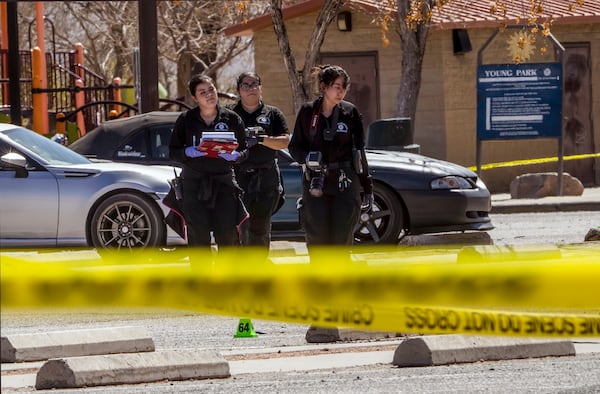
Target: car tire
127	221
385	223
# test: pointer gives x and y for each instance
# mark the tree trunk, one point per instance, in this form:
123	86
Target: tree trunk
412	44
286	52
185	65
122	65
301	83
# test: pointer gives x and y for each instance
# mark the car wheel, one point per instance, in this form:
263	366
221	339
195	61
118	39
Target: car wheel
126	221
385	223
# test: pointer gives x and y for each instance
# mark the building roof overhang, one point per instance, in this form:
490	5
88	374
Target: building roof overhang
459	14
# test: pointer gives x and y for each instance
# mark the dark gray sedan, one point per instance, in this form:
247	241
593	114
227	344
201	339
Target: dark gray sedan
414	194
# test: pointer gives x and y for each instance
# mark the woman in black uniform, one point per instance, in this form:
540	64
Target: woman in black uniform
328	139
259	175
210	193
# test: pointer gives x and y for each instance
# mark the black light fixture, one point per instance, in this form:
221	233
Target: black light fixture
344	21
460	41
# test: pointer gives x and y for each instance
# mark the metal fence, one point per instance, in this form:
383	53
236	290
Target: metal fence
62	74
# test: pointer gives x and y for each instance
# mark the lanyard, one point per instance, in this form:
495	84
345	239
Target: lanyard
314	121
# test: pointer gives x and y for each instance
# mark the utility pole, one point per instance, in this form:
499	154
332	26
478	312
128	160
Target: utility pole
14	71
149	53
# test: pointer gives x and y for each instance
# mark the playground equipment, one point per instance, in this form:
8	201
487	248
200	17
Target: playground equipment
55	85
77	98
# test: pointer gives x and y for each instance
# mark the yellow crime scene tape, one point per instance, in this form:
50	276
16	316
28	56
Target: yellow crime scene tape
527	294
534	161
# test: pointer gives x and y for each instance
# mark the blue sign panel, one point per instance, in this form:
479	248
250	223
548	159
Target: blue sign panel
519	101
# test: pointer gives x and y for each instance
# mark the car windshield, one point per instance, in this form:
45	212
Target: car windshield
50	151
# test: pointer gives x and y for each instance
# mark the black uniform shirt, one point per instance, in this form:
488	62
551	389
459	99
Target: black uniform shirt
349	135
188	132
272	120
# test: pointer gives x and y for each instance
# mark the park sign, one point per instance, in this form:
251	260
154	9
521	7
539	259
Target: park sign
517	101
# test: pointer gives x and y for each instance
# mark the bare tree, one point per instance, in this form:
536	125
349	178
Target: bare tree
191	31
189	35
107	30
110	31
300	82
104	29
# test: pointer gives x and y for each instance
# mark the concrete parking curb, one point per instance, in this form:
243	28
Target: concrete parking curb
251	360
46	345
332	335
286	248
131	368
499	253
454	349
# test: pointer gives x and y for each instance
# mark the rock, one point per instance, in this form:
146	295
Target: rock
544	184
593	235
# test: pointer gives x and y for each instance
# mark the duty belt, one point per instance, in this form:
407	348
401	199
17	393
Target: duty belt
251	167
338	165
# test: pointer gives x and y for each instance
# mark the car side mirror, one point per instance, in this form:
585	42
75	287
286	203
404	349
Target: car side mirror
16	161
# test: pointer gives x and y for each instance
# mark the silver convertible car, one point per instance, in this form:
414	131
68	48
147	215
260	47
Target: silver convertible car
51	196
414	194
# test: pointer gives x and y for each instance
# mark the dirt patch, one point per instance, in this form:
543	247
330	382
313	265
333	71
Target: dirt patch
312	352
20	371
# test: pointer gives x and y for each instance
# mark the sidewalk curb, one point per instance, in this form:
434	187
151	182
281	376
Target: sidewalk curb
534	207
589	200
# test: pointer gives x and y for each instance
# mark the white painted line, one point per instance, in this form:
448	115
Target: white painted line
16	382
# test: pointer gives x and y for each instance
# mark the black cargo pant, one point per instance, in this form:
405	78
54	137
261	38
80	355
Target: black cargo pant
262	189
329	220
210	205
